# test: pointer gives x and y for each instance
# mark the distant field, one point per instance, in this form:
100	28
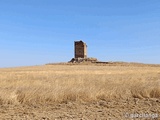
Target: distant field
118	89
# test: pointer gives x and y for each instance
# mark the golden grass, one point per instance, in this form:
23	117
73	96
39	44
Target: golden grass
62	83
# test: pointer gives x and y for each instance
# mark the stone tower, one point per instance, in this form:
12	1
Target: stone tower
80	49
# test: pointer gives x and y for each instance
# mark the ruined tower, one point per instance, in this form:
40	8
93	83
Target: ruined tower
80	49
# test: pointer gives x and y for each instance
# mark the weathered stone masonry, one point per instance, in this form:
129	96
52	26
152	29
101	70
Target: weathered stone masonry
80	49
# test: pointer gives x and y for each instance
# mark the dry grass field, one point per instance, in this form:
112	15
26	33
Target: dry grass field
80	92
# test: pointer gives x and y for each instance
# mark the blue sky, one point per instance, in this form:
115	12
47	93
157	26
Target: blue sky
35	32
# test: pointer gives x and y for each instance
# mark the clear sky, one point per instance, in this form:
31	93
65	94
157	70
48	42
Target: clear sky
35	32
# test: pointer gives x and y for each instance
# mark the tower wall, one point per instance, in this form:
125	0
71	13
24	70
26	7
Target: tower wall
80	49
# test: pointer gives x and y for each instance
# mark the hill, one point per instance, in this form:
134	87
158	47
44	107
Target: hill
78	91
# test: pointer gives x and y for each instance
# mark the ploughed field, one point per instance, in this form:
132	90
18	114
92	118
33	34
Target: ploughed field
80	92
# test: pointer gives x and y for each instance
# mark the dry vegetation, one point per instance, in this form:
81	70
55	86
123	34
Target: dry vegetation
78	91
